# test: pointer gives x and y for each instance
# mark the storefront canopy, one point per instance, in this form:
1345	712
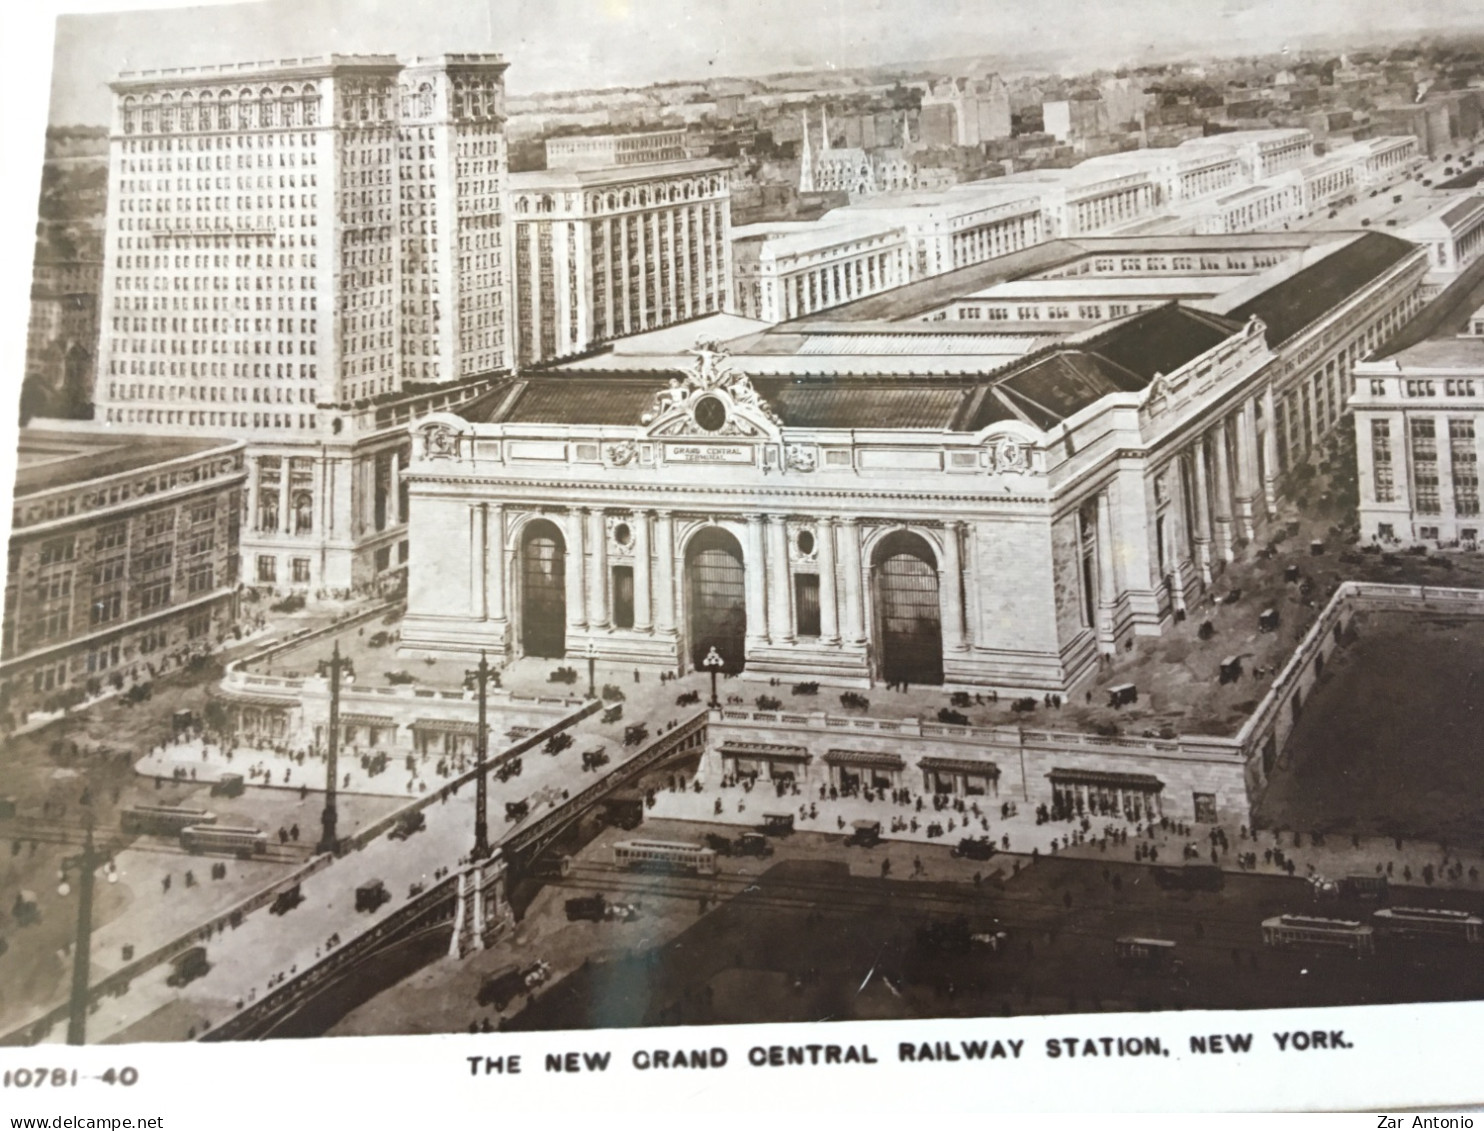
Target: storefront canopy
355	720
960	766
765	752
864	758
447	726
1142	783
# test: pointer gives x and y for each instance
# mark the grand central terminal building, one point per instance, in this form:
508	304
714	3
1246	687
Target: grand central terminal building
985	479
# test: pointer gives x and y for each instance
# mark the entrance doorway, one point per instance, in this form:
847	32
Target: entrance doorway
543	581
716	606
905	574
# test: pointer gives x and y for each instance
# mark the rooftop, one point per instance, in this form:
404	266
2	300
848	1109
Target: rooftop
55	455
1431	340
615	174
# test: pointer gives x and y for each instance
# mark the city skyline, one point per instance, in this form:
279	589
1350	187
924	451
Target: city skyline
701	41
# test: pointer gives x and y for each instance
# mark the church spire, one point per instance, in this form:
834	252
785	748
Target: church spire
824	126
806	158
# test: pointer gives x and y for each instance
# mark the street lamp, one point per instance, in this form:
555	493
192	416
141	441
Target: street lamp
713	663
86	864
328	841
592	668
481	674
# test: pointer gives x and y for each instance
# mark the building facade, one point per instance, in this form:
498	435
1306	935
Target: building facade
600	254
123	560
603	151
976	110
288	241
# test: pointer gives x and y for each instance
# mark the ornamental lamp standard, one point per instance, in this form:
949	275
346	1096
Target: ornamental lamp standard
329	841
86	864
480	676
592	669
713	663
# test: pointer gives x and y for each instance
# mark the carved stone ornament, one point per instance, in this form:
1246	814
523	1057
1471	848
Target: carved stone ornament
623	453
440	442
800	457
1011	457
710	400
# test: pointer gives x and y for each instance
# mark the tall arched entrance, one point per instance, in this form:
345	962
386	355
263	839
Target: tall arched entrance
543	590
904	574
716	599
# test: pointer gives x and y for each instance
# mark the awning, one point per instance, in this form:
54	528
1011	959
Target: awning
448	726
1143	783
241	699
765	752
864	758
960	766
355	720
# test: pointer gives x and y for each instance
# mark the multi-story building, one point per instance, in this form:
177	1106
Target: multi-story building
1267	205
974	110
1380	160
1451	227
603	151
123	559
1265	153
964	224
62	335
790	270
1073	120
602	253
285	241
1419	416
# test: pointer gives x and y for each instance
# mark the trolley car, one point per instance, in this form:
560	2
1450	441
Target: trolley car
163	820
1309	930
236	840
665	854
1429	923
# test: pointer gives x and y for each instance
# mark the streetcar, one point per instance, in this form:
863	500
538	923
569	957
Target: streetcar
1309	930
163	820
236	839
1429	923
665	854
1152	953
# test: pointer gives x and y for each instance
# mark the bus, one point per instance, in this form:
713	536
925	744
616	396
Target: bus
665	854
238	840
1310	930
163	820
1429	923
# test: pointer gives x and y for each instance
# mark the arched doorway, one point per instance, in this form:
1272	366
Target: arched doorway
716	599
905	590
543	591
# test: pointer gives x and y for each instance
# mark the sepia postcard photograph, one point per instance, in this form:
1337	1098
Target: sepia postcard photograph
600	515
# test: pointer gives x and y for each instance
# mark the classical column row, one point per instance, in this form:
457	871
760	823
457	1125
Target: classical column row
1233	464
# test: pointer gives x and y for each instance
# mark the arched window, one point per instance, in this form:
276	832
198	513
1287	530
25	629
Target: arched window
311	104
425	100
288	107
245	114
131	114
266	115
149	115
187	112
545	204
522	205
461	99
167	114
303	513
224	110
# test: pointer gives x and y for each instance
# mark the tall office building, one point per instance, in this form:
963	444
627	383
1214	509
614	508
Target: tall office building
287	243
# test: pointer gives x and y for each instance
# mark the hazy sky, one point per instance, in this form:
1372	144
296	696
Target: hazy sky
556	44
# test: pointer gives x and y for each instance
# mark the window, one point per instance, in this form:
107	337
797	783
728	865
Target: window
299	568
1382	471
155	595
1465	460
1205	808
111	570
204	512
1386	531
1427	533
111	537
1425	467
200	580
54	624
267	569
53	586
1087	540
623	597
106	608
806	603
58	550
159	522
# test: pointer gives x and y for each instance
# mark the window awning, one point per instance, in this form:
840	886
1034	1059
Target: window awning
960	766
355	720
1144	783
447	726
864	758
240	699
765	752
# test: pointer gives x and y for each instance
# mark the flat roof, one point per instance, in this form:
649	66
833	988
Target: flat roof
614	174
53	456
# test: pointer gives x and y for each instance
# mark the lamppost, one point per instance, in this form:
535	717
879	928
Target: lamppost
86	864
592	669
481	675
328	841
713	663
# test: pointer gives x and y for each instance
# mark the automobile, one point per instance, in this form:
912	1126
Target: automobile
517	810
409	823
613	714
974	848
752	844
778	824
586	907
187	966
286	900
592	759
865	834
229	785
721	845
371	895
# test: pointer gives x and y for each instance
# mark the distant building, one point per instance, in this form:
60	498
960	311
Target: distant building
123	559
966	111
62	336
1450	227
1075	119
604	151
602	253
783	271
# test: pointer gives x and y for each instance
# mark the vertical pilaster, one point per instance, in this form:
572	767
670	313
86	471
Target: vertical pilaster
951	588
1107	581
829	611
854	626
494	592
576	568
780	602
1246	469
597	578
1223	500
643	616
754	573
664	590
1202	538
1269	452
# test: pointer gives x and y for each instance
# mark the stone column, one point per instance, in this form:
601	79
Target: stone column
478	532
1202	539
664	589
597	577
494	549
643	617
854	620
950	585
1176	535
1270	452
1223	494
755	574
576	568
1107	581
780	600
829	614
1246	469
